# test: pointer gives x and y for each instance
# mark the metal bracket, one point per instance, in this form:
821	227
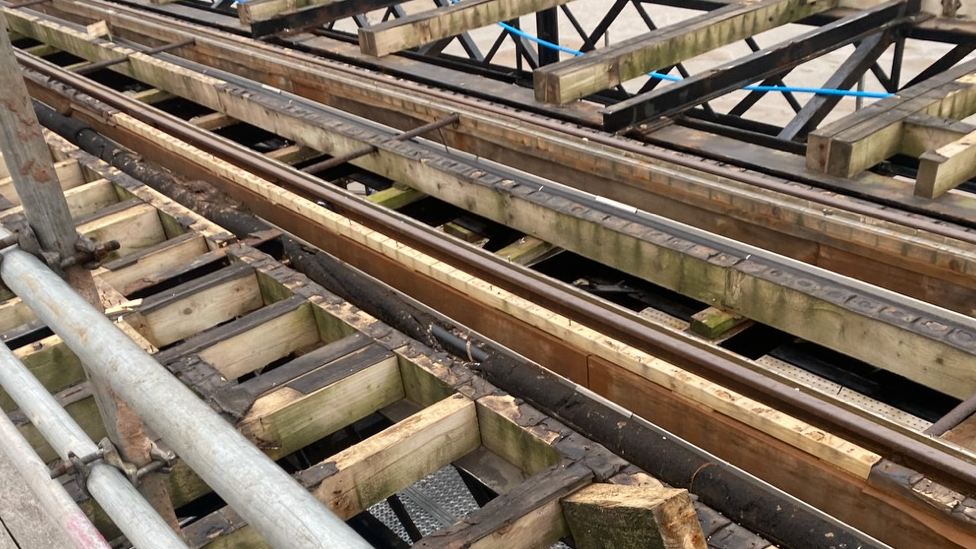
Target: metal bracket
88	253
162	462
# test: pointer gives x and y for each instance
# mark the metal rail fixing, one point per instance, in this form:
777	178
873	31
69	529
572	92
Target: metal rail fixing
279	508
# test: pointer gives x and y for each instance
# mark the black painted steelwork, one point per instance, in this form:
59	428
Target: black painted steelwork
772	61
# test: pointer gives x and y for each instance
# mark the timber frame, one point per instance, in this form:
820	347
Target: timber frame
249	84
214	314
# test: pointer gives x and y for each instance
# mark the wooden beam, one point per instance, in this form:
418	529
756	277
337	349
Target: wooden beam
378	467
68	171
632	517
947	167
139	268
395	197
213	121
605	68
304	410
197	305
257	347
136	228
422	28
273	16
526	250
922	133
861	140
292	154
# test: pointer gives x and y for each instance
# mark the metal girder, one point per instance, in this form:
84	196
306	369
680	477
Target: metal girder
847	75
685	95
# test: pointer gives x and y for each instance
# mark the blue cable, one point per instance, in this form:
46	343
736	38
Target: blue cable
668	77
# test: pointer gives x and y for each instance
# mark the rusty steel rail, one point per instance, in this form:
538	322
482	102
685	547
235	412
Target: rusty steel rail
578	306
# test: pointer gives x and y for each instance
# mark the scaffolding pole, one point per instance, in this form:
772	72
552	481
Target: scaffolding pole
118	497
53	498
274	503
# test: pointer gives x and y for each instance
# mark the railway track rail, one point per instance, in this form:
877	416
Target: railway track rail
795	271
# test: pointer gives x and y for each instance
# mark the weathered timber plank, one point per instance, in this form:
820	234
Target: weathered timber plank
602	69
395	197
421	28
608	515
83	200
198	305
304	14
323	401
713	322
213	121
292	154
261	345
131	272
922	133
503	431
68	172
135	228
526	250
858	141
528	516
947	167
383	464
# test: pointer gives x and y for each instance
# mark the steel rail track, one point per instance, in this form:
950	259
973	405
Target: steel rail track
562	120
907	214
577	305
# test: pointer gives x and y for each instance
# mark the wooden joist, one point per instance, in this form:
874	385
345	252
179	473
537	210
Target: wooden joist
861	140
603	69
395	197
425	27
388	462
946	167
68	173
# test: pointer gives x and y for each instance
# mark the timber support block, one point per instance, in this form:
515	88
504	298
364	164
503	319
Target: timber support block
631	517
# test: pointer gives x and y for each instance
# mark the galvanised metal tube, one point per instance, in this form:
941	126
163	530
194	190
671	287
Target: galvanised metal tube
118	497
53	498
279	508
